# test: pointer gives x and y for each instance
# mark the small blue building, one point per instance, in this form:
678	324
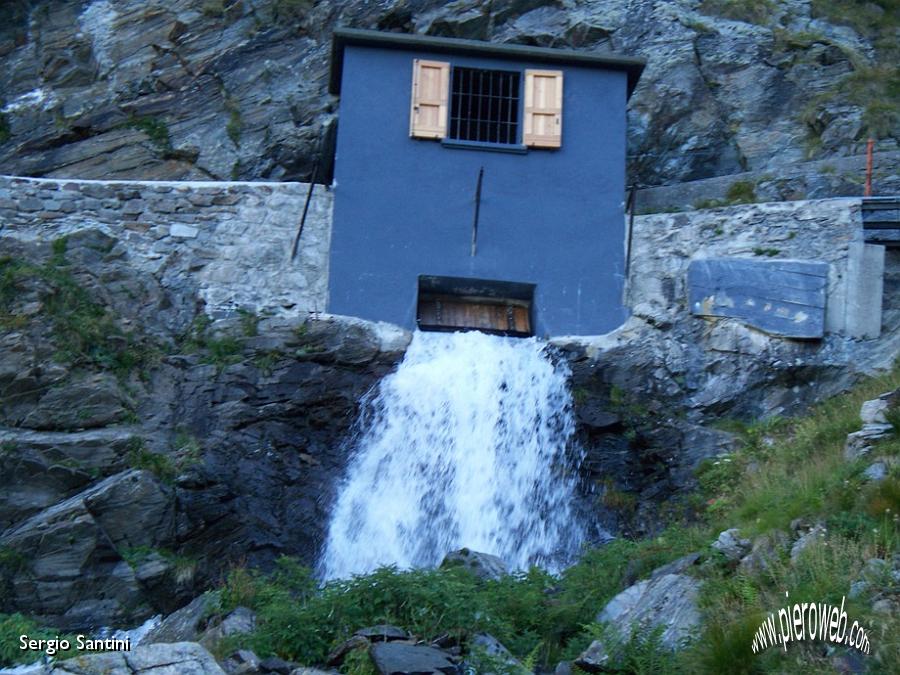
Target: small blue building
478	185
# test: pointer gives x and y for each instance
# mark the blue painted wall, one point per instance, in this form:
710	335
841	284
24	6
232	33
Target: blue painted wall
404	207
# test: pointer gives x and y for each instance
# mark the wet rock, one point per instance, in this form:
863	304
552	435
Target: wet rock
482	565
397	658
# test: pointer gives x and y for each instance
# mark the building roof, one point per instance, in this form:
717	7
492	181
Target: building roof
425	43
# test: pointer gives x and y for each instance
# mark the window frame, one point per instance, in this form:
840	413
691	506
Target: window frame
521	146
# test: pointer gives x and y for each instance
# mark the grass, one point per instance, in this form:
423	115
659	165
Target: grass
874	87
14	625
184	566
155	129
235	124
186	452
84	331
220	351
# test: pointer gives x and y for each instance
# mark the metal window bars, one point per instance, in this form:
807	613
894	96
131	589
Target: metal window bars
484	105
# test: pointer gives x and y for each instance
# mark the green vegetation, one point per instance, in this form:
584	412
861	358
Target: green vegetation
249	322
767	252
220	351
286	11
783	469
235	124
14	625
85	332
739	192
155	129
749	11
872	86
165	466
183	566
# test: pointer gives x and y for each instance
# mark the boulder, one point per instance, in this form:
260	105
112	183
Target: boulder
398	658
488	645
482	565
337	655
242	662
668	601
185	624
767	549
731	545
876	472
383	633
181	658
859	443
814	535
240	620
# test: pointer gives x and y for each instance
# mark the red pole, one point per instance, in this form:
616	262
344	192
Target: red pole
869	147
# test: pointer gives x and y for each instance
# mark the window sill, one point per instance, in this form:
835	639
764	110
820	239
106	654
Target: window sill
487	147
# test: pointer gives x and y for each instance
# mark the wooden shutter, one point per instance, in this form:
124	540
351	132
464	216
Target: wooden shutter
430	91
543	108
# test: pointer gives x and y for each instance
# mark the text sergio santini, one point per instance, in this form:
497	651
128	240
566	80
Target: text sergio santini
83	643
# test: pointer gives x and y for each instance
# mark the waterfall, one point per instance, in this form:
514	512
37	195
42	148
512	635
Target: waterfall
469	443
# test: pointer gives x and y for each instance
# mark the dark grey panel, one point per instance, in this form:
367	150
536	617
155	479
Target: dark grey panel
781	297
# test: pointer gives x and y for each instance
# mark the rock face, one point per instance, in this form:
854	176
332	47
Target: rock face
140	463
237	89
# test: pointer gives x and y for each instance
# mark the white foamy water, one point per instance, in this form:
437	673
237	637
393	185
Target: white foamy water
466	444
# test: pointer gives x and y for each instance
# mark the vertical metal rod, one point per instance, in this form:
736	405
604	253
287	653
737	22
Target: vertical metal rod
869	148
312	184
630	208
477	211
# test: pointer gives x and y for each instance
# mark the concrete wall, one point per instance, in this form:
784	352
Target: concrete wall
232	241
404	207
827	230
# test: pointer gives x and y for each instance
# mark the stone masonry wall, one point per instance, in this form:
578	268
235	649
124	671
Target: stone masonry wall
231	242
664	244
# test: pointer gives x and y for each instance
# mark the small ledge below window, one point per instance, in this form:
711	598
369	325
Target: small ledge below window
488	147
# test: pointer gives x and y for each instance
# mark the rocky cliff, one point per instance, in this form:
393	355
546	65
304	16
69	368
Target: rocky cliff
235	89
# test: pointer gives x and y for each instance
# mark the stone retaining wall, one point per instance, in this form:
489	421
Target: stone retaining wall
827	230
230	241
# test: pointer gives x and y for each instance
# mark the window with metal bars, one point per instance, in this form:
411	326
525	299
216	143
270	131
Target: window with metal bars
484	105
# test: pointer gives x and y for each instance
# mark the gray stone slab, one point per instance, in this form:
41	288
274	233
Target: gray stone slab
781	297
